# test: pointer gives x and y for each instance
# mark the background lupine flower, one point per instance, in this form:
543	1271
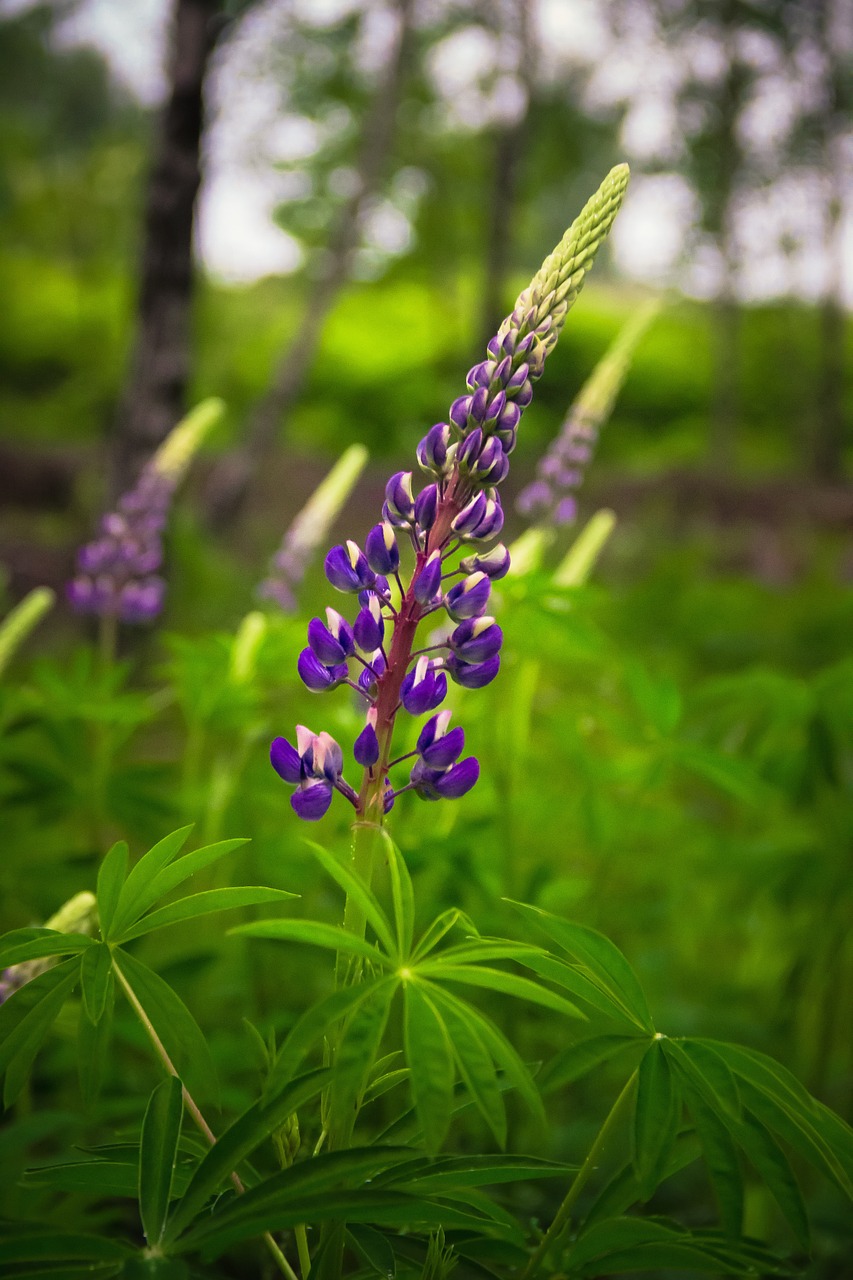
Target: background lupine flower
117	573
467	458
310	528
78	915
549	499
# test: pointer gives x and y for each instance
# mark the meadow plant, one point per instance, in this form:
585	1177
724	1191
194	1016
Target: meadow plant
337	1167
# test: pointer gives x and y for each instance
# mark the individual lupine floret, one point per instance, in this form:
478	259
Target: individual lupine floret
117	573
549	499
468	457
314	766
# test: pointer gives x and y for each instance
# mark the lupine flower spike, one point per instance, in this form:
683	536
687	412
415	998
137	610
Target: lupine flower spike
466	458
117	573
309	529
549	500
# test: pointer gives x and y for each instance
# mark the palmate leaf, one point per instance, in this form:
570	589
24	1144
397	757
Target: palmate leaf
238	1141
35	1244
786	1107
157	873
96	975
314	1023
657	1111
93	1046
356	1049
111	877
430	1059
598	955
25	1020
623	1190
355	888
439	928
403	897
497	980
721	1160
771	1163
620	1245
83	1271
21	945
582	984
456	1172
158	1151
580	1059
313	932
106	1178
503	1053
374	1249
477	1071
172	1020
202	904
242	1220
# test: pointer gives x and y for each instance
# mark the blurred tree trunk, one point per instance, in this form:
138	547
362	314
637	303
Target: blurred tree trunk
229	484
509	152
828	447
154	395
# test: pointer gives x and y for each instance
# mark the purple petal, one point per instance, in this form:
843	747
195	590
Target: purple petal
284	758
311	801
458	780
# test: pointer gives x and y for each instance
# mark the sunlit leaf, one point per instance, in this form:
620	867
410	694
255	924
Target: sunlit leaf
202	904
111	878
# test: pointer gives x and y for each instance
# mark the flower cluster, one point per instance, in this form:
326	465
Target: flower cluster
465	459
117	573
549	499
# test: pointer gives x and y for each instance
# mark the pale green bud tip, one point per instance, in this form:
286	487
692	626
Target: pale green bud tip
560	279
183	441
248	640
78	915
18	624
598	394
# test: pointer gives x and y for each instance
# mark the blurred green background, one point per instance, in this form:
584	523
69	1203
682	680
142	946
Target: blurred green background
668	755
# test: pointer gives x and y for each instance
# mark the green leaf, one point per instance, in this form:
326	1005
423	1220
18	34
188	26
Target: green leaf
357	1047
486	949
93	1046
145	895
202	904
657	1111
355	888
39	1245
770	1162
237	1142
449	1172
158	1151
509	984
500	1048
598	954
578	1060
429	1057
623	1190
95	974
721	1160
314	1023
108	1178
248	1215
22	945
133	896
172	1020
403	897
709	1072
573	978
111	877
441	926
374	1249
477	1070
85	1271
315	933
28	1015
642	1244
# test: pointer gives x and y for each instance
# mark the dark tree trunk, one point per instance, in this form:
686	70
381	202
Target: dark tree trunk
230	481
154	394
509	152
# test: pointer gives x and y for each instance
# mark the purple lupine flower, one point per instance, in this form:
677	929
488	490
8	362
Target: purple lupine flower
314	766
117	573
468	458
549	498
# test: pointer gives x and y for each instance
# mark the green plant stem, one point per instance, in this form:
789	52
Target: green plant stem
564	1213
302	1246
195	1111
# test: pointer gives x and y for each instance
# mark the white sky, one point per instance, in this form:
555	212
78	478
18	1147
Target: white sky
238	239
